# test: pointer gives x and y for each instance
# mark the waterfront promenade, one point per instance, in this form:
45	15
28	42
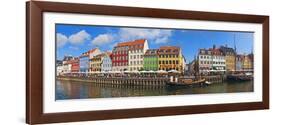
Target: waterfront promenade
133	81
136	80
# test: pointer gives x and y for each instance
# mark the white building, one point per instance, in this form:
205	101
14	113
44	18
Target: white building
60	70
211	60
137	50
66	67
218	60
106	65
205	60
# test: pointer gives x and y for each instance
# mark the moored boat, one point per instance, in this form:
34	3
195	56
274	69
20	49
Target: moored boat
240	77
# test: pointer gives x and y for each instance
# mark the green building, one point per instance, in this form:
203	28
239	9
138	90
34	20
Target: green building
150	60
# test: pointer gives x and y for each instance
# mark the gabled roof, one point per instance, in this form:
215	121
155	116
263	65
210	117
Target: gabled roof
216	51
131	43
169	47
108	53
93	50
227	50
205	51
67	57
88	52
103	55
169	50
239	56
151	52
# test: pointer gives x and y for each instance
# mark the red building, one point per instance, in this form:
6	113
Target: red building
120	54
74	65
120	57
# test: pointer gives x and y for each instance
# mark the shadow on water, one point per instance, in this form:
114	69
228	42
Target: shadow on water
81	90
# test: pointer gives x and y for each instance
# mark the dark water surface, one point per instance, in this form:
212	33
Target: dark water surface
81	90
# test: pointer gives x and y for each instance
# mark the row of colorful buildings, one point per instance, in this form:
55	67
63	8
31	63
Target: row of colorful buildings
222	59
131	56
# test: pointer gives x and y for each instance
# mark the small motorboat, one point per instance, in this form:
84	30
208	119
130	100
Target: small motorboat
208	83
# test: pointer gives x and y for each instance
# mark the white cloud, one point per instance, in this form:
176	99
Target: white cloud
79	37
155	35
164	39
102	39
61	39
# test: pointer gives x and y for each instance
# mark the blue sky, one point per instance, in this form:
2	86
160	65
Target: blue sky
76	39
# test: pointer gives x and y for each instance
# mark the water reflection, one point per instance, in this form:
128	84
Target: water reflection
82	90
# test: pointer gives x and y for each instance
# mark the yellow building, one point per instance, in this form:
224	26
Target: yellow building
95	62
248	62
230	62
170	58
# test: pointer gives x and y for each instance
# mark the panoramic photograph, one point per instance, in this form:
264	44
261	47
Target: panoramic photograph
112	61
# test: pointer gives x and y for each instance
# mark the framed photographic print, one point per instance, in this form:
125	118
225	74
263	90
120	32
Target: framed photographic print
95	62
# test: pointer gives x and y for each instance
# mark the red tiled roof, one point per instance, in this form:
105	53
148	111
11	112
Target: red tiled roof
88	52
216	51
169	47
131	43
92	50
169	50
103	54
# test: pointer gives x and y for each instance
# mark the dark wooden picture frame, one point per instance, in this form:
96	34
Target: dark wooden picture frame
34	61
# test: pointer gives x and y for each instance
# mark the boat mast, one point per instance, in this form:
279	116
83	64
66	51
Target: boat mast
234	40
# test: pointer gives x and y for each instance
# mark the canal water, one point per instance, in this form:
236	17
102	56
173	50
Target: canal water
80	90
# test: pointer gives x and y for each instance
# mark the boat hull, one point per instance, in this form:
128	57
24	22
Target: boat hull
239	78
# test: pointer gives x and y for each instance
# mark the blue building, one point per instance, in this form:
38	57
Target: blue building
84	63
